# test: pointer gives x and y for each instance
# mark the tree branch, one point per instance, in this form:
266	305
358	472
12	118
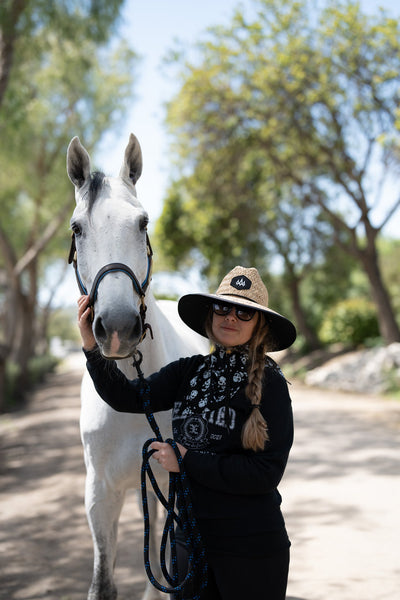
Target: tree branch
390	214
42	242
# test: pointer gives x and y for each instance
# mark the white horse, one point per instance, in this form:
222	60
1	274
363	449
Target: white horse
109	226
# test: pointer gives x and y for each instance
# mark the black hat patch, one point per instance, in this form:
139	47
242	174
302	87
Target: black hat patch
241	282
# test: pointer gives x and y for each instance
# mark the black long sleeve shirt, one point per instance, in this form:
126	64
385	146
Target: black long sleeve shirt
234	491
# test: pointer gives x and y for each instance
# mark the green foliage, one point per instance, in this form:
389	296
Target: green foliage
66	80
62	73
284	124
62	324
38	368
77	89
352	321
335	276
389	252
12	373
392	378
289	92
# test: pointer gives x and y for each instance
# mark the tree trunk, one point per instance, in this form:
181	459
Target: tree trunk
388	327
4	350
302	325
368	257
25	340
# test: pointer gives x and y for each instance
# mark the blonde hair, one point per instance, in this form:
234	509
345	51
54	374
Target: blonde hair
255	430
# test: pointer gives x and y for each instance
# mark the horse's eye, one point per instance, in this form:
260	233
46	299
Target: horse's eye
144	221
76	228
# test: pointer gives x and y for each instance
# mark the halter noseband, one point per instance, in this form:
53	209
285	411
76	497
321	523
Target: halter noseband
140	289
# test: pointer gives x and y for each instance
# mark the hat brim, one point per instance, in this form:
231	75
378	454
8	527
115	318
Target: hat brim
193	310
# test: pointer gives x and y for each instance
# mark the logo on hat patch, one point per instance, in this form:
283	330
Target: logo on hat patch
241	282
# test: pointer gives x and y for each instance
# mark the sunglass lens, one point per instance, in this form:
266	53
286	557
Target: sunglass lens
221	309
245	314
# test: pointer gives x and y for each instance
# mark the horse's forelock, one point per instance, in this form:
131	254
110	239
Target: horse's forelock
96	183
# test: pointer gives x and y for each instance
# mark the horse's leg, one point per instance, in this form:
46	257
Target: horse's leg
103	508
150	592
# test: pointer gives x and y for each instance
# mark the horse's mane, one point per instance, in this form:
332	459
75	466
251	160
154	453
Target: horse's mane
96	183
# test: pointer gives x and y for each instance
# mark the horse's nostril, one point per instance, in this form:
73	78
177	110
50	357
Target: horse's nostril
137	328
99	331
133	330
128	330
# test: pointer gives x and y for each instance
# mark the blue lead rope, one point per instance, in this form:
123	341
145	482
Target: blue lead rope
179	498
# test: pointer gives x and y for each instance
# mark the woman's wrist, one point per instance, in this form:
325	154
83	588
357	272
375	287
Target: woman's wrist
88	348
182	450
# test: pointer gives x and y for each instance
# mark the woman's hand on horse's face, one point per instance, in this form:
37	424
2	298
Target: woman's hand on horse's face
166	456
85	323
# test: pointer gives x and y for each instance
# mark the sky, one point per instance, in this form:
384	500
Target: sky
152	26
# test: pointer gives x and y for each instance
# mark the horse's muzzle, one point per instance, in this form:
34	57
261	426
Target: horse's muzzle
118	338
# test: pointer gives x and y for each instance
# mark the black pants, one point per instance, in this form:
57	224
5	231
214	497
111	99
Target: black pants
241	577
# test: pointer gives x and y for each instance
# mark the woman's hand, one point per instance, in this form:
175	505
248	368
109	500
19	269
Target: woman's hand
166	456
85	323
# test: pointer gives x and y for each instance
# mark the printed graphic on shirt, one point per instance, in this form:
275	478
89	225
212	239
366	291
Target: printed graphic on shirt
194	432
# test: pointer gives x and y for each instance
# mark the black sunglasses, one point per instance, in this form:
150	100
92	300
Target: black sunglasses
244	314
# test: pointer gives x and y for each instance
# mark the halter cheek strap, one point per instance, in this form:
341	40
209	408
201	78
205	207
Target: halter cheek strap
72	259
140	289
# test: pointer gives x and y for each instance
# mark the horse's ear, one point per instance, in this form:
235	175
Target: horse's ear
78	163
132	166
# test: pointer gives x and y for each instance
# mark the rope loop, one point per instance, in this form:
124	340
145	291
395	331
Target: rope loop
179	511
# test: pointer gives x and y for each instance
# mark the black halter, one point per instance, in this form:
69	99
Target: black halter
140	289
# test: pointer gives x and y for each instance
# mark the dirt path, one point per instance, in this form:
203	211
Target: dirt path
342	496
45	543
341	500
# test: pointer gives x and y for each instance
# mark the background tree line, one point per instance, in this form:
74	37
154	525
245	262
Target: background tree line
59	76
286	128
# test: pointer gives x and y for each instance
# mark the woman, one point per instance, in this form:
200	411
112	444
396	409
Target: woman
233	424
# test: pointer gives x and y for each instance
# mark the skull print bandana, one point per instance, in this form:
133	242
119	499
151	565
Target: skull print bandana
217	379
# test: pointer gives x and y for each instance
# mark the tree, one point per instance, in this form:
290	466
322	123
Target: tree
241	223
26	19
60	86
389	254
313	95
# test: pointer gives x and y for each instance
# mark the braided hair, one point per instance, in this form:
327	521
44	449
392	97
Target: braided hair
255	430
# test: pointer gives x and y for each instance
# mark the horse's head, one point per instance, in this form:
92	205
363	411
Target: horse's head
113	254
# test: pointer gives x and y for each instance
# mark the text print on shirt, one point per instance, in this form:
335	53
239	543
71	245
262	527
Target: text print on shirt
193	430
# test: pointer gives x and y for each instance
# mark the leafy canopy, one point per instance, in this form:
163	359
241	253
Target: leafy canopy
286	108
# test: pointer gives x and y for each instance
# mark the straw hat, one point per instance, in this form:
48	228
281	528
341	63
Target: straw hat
242	287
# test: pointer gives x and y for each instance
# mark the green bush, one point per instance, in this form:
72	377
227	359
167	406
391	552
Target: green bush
10	385
352	321
38	368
